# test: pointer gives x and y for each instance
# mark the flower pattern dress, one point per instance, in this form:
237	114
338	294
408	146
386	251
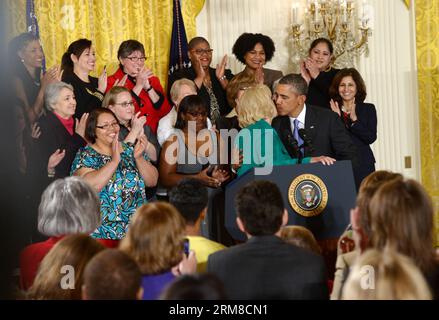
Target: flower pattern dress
123	194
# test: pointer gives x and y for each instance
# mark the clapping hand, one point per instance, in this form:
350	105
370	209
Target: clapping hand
259	75
335	107
139	147
80	125
312	67
52	75
54	159
102	81
221	68
121	82
36	131
304	72
137	123
115	150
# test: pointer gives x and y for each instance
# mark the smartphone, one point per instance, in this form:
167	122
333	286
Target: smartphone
186	247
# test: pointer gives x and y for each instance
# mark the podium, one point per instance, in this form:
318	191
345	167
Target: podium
317	197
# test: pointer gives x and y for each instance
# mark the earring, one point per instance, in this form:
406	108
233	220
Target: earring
22	60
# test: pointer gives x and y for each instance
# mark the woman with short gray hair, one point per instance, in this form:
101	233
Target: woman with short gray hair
61	134
68	206
53	152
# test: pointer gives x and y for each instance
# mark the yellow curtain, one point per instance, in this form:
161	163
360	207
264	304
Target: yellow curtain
427	52
107	23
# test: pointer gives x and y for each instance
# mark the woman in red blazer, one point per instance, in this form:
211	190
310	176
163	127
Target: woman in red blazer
145	87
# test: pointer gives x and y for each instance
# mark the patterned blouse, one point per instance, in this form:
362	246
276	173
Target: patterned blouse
123	194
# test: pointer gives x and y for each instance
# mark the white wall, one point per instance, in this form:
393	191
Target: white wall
389	71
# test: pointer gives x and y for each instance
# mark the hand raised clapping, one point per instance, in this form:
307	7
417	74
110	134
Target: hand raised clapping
102	81
335	107
80	125
221	68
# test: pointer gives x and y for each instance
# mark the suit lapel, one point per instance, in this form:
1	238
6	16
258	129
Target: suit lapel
310	125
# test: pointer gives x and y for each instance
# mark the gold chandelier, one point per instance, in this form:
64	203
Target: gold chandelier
343	22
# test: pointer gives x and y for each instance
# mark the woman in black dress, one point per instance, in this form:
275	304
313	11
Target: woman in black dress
317	71
77	62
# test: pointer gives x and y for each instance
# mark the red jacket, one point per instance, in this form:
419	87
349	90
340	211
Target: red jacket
142	103
32	255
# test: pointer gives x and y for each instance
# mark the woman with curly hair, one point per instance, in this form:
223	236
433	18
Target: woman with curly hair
254	50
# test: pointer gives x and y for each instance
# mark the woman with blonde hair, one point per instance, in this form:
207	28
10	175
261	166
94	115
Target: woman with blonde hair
67	258
258	141
401	217
132	125
385	275
155	241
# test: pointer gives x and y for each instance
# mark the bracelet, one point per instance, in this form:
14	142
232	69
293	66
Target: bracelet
222	78
51	174
149	89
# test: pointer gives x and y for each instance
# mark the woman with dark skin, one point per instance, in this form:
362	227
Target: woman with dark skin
27	57
211	83
176	151
254	50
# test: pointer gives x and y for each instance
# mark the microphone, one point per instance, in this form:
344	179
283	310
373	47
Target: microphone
293	142
306	140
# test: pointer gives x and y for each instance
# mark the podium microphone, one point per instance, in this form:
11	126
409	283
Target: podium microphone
306	139
293	142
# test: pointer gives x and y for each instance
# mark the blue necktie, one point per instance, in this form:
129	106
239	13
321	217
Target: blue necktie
296	135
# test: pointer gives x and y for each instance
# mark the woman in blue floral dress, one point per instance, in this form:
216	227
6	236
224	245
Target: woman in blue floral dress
120	172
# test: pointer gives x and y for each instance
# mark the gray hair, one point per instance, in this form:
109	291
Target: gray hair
52	92
296	81
68	206
176	86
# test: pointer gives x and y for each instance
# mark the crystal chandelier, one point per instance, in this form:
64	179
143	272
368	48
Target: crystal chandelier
341	21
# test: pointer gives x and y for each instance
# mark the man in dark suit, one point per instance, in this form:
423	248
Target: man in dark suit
266	267
324	132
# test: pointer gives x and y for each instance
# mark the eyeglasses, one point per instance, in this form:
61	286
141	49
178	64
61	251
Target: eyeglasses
108	125
201	51
125	104
197	113
136	59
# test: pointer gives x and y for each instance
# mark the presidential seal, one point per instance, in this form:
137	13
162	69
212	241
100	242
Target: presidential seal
308	195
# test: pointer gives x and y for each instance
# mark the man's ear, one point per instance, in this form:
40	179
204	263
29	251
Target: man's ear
285	218
203	214
302	99
240	224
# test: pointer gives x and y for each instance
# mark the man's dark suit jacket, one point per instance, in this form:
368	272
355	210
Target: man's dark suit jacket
266	267
325	130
